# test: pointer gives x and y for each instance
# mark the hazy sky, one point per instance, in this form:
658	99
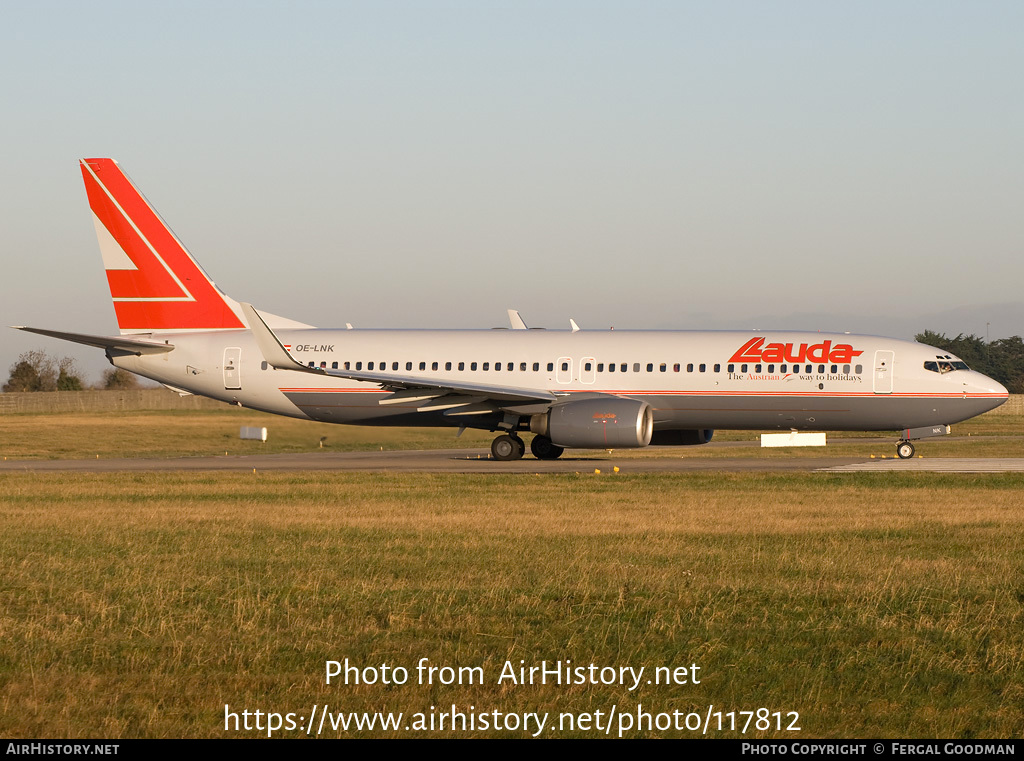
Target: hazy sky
854	166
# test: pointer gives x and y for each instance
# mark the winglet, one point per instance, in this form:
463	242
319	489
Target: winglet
270	345
516	321
573	325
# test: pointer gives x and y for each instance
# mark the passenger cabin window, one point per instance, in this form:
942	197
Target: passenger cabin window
730	368
551	366
334	365
611	367
394	365
487	365
536	367
587	366
663	367
359	365
689	368
859	369
565	366
472	365
462	366
650	367
369	365
447	365
408	365
423	365
522	367
675	367
600	367
718	368
702	368
636	367
433	365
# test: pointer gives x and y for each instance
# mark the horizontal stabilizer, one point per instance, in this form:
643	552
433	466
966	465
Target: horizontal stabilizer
117	343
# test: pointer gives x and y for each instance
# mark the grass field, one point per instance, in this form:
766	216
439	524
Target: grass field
139	605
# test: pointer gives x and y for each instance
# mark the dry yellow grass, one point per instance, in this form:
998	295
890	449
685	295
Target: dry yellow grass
138	605
202	432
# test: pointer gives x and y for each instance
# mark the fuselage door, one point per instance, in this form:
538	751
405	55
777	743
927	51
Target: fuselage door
563	370
882	378
232	367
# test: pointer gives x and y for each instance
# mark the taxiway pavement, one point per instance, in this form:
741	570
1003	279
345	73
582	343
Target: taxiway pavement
478	461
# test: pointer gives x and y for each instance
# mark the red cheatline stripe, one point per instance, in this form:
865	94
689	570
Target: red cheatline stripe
334	390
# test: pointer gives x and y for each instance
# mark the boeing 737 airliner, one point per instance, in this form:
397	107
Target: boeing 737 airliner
579	388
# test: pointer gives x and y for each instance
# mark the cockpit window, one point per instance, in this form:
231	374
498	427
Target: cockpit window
944	366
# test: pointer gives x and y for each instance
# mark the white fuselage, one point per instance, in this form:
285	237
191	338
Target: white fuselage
692	380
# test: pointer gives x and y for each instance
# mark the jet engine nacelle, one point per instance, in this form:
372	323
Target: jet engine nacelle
597	423
681	438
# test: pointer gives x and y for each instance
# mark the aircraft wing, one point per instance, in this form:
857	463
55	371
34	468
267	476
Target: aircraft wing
483	397
116	343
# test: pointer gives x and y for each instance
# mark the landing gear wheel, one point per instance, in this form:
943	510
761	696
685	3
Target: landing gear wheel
543	449
507	448
520	446
905	450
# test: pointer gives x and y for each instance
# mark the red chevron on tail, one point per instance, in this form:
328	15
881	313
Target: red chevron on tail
154	282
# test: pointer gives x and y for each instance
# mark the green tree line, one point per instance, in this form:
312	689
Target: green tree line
1002	359
38	371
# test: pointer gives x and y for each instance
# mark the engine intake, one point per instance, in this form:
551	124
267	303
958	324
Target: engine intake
598	423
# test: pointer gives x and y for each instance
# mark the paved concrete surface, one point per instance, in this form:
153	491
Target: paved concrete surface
478	461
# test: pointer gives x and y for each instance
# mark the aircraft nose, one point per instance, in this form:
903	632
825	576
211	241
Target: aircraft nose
986	388
994	387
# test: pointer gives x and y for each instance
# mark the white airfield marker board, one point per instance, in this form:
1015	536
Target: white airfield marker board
792	439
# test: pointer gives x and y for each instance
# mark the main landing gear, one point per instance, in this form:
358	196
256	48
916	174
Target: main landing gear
508	446
905	450
543	449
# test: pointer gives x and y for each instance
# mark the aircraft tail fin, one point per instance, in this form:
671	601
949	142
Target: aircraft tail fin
154	282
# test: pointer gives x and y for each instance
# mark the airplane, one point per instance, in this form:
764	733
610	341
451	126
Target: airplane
591	389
